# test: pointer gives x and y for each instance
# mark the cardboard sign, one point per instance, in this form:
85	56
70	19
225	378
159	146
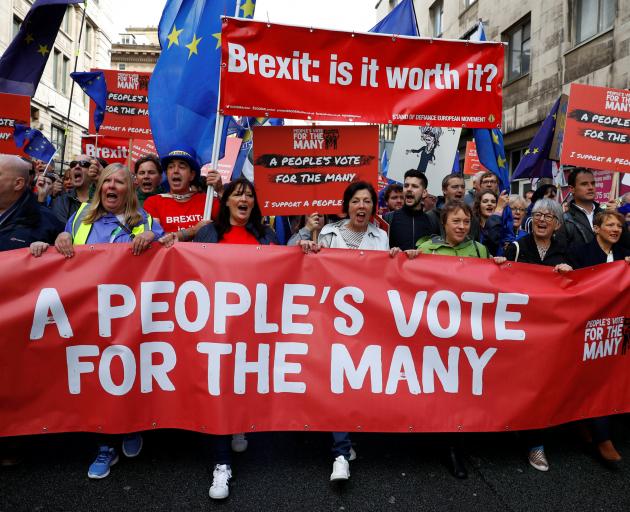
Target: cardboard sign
127	113
426	148
603	185
13	109
305	169
374	78
221	338
225	166
597	133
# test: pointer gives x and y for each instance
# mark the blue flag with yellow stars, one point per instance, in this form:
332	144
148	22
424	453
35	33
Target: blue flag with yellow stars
93	84
37	145
535	162
184	87
489	142
23	62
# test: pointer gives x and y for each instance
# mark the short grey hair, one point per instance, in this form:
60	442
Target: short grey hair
546	205
516	199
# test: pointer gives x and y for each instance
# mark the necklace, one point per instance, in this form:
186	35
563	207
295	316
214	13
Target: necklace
542	250
182	197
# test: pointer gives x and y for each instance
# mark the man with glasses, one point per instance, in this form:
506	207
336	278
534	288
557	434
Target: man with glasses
68	203
489	181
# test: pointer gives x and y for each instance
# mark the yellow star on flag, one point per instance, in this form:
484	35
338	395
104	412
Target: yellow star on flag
554	116
535	150
173	37
43	49
217	36
29	38
248	9
501	161
495	137
527	151
192	47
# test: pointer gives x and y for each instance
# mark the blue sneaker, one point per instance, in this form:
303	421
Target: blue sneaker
106	458
132	445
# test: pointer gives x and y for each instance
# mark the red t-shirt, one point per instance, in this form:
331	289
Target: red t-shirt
239	235
175	215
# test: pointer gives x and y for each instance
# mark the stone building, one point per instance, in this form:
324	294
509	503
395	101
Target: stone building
49	106
138	49
550	45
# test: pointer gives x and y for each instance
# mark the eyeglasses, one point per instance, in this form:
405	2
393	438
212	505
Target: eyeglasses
81	163
517	209
543	216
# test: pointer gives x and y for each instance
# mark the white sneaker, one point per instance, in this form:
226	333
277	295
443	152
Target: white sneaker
353	455
341	469
239	443
221	475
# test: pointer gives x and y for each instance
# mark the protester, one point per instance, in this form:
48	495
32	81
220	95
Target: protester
489	181
66	204
113	216
96	167
68	184
309	228
22	219
394	198
453	189
518	205
181	211
528	197
410	223
544	190
47	187
148	174
239	221
498	228
484	206
429	202
469	198
541	247
354	232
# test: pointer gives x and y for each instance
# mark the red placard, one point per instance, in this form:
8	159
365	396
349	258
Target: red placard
229	338
13	109
116	149
341	76
472	165
225	166
305	169
597	132
127	113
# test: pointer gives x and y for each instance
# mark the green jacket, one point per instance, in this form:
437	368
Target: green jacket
437	245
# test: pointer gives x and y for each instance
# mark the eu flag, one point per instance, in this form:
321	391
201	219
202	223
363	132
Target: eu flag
535	162
490	150
93	84
37	145
400	21
184	87
23	62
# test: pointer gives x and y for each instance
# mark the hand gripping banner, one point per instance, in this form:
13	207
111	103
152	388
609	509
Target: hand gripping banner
229	338
304	73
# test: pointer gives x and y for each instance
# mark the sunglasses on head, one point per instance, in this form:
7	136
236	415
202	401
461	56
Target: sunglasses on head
81	163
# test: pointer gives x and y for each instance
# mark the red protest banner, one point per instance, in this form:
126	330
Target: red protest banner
127	113
305	169
341	76
140	148
268	338
13	109
472	165
597	131
116	149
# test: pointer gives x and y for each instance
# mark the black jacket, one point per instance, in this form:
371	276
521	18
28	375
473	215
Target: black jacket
28	222
591	254
528	252
407	226
578	230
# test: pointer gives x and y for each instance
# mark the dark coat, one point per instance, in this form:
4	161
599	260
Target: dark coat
65	205
208	235
29	222
591	254
578	230
407	226
528	252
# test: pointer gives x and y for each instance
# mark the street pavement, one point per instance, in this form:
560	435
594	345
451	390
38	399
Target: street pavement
290	472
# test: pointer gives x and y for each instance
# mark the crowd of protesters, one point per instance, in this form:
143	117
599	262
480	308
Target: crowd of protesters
164	201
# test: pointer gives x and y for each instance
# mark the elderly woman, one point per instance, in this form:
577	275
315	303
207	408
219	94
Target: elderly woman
608	226
113	216
354	232
499	230
541	247
239	221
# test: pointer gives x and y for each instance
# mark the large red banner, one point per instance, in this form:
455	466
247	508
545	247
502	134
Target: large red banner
229	338
341	76
305	169
127	113
117	150
13	109
597	131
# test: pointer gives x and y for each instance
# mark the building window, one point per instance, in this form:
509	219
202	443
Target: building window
468	3
56	136
593	17
67	21
17	23
121	67
437	14
518	50
87	42
65	74
56	68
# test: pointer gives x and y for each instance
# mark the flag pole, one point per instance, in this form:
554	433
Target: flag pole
216	144
76	61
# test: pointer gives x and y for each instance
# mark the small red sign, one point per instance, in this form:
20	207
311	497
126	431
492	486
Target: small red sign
13	109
